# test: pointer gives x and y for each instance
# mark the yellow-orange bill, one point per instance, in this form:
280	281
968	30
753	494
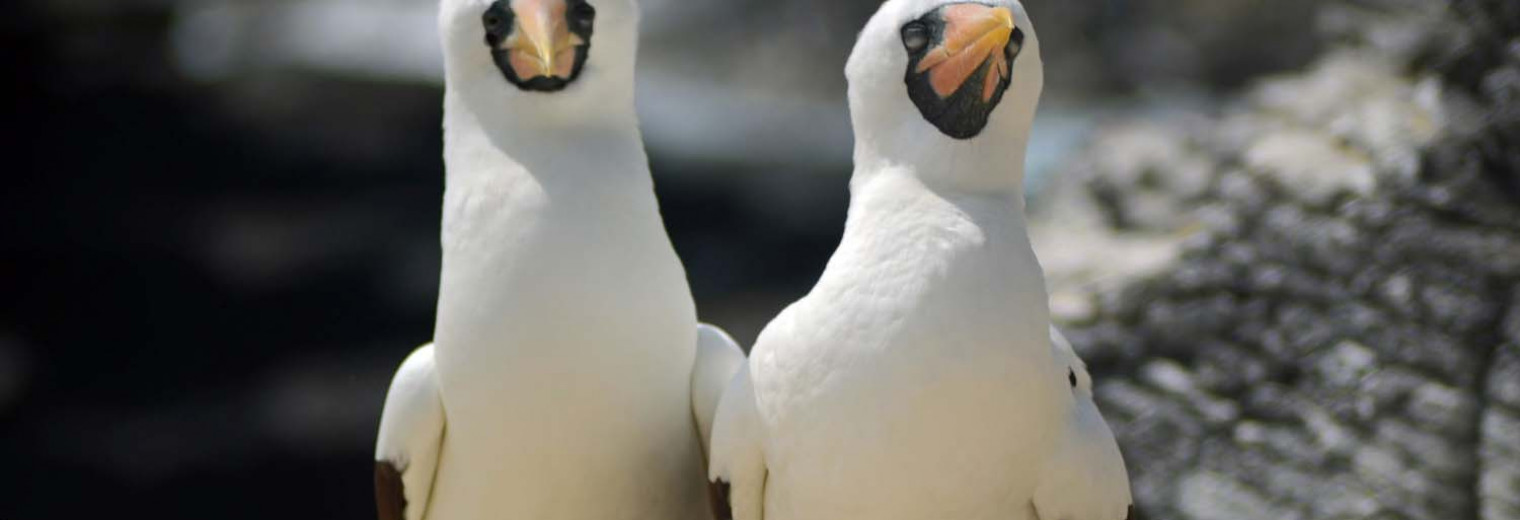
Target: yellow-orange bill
975	36
542	44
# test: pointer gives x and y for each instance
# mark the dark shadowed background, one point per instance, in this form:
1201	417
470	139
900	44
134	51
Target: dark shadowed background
220	216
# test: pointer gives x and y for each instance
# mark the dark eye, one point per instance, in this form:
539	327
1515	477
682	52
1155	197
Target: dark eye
1071	375
497	24
583	14
1016	42
915	36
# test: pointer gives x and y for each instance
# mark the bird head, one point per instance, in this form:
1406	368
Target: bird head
930	76
541	59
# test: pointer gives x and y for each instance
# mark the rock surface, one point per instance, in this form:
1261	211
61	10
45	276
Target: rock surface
1308	306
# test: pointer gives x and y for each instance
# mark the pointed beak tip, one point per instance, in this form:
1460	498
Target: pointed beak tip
545	59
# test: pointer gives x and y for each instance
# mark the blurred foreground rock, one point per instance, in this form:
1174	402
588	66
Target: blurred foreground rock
1308	307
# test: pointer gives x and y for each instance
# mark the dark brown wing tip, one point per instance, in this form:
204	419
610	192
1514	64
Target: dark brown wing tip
390	492
717	496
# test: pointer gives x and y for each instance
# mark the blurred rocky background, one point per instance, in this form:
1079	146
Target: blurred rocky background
1284	234
1307	305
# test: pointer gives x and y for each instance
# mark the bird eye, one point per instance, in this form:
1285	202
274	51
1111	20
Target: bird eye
1071	375
584	14
915	36
496	23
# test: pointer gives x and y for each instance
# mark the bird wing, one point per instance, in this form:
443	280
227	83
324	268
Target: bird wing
1084	478
718	358
411	435
737	466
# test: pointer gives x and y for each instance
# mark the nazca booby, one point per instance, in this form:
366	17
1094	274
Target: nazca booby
918	379
568	378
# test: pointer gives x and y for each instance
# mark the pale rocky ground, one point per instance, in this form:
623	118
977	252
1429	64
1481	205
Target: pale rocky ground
1308	305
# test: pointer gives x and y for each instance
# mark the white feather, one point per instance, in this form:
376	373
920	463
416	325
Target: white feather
1084	478
737	456
412	428
718	359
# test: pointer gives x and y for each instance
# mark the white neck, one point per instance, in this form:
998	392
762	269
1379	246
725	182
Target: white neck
921	229
543	225
909	243
988	165
910	180
584	160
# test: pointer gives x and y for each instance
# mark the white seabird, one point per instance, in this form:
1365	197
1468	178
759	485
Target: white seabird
568	378
918	379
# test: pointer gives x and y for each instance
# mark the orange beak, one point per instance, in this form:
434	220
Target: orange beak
975	36
542	44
